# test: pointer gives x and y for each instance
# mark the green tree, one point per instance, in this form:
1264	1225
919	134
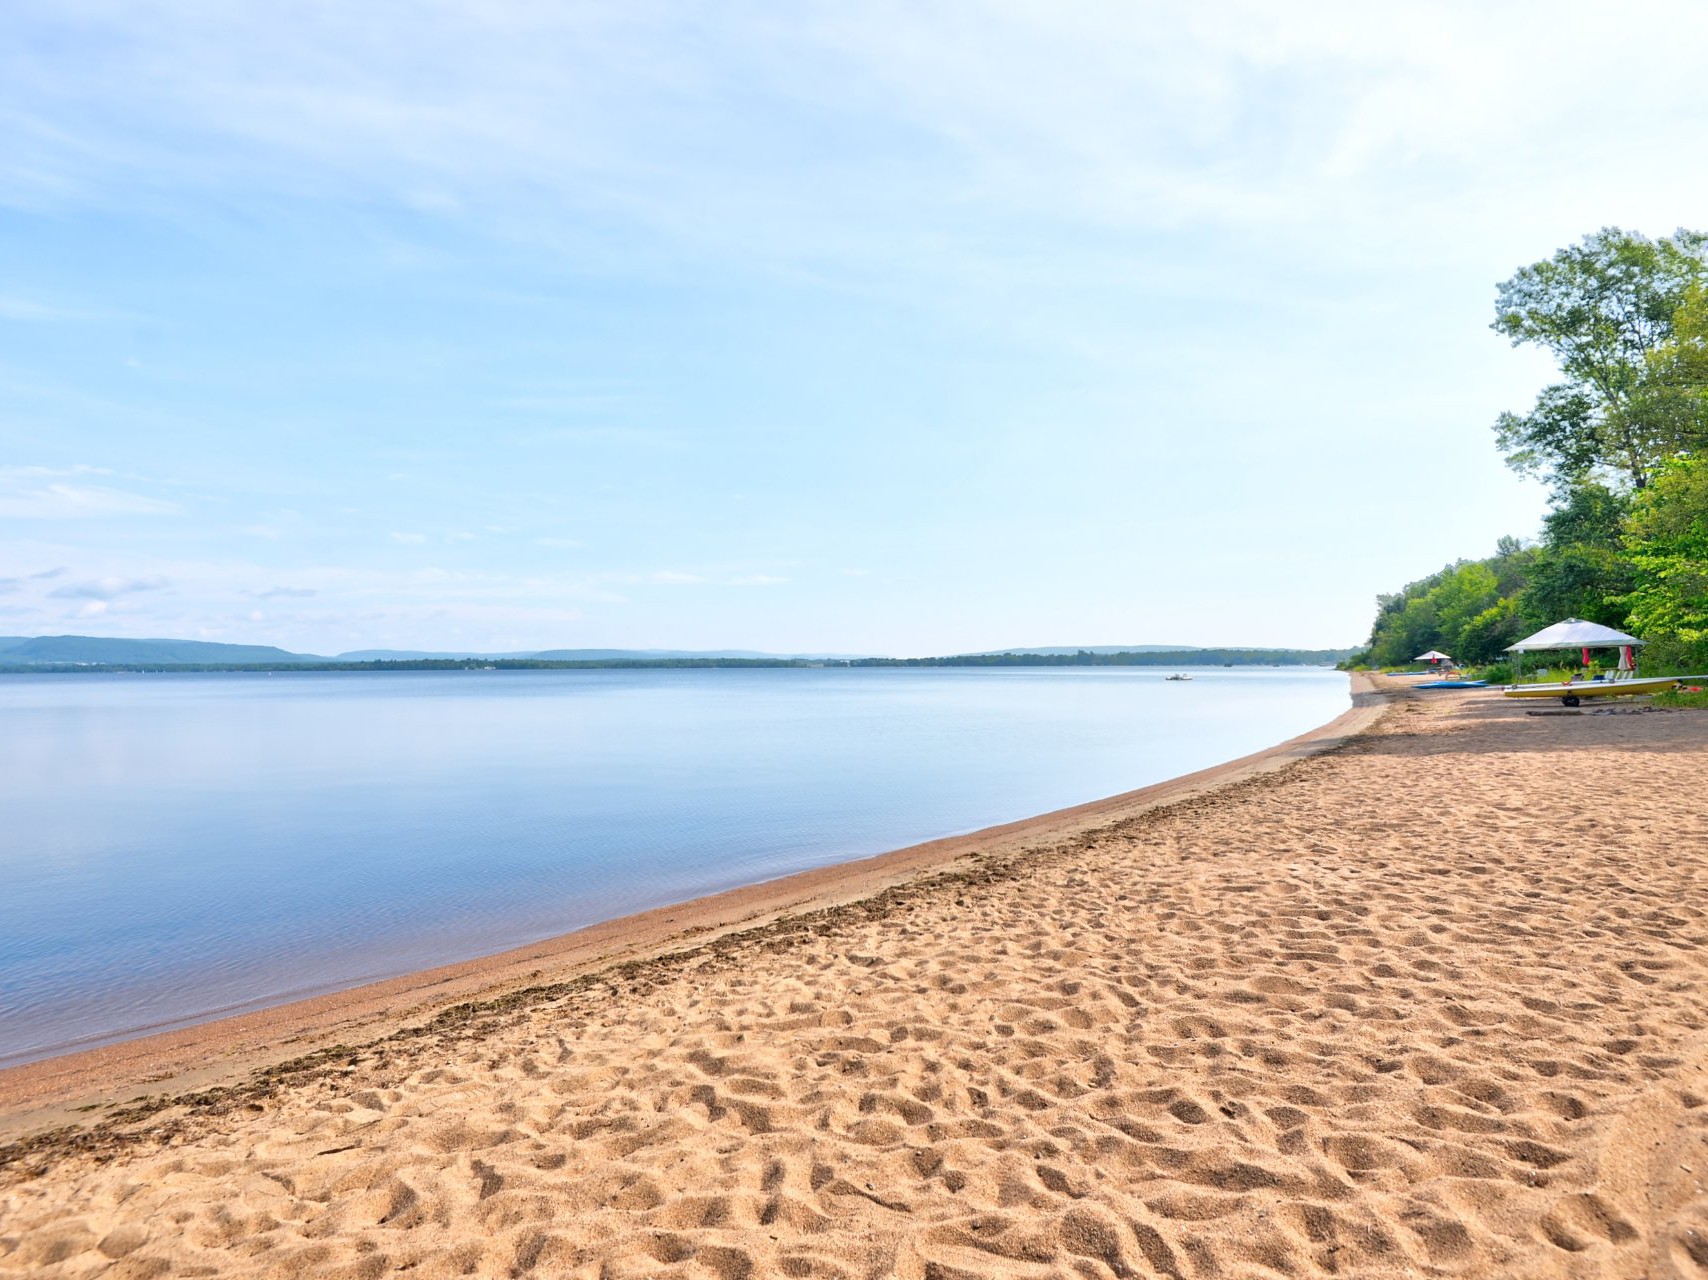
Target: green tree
1461	596
1667	537
1587	515
1605	309
1485	637
1578	582
1511	565
1581	570
1677	379
1409	632
1437	612
1405	623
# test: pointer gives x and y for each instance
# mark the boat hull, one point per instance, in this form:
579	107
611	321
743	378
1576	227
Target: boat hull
1593	689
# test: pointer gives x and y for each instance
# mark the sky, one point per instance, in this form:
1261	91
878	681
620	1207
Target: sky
900	328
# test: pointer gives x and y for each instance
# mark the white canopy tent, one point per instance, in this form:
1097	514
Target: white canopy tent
1434	655
1575	633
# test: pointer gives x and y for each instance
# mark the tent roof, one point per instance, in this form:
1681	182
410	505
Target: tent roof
1573	633
1433	653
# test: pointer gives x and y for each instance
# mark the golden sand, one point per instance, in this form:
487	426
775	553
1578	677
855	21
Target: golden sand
1432	1003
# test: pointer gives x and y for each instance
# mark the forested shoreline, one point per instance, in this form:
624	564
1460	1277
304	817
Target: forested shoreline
1619	440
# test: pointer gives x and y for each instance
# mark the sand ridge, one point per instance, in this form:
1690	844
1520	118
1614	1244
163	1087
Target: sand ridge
1433	1004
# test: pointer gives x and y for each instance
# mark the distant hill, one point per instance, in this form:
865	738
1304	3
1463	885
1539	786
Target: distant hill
637	655
106	651
100	650
410	655
571	655
1051	651
671	655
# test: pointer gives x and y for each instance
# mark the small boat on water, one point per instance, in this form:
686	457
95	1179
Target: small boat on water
1573	692
1178	676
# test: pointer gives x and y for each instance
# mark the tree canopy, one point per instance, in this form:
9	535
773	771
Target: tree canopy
1667	541
1461	610
1607	309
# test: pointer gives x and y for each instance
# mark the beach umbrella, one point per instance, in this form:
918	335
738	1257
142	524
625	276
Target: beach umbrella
1432	657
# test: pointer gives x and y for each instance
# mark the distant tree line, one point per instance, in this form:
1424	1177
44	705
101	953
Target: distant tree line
1158	658
1622	442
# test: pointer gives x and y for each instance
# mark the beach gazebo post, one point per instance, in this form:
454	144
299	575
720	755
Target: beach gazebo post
1575	633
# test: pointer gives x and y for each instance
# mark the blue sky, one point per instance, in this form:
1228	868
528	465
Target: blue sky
901	328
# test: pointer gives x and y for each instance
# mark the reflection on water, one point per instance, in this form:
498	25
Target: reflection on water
175	846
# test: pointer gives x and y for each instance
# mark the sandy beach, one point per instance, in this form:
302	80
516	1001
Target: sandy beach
1424	994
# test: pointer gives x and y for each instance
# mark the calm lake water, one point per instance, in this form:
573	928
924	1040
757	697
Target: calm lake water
175	847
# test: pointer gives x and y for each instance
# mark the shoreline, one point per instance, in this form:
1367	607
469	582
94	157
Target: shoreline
71	1088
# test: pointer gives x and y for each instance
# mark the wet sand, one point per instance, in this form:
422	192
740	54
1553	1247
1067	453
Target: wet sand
1432	1002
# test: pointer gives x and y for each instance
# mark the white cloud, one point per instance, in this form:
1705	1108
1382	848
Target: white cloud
921	132
46	493
13	307
9	585
409	539
110	588
680	578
